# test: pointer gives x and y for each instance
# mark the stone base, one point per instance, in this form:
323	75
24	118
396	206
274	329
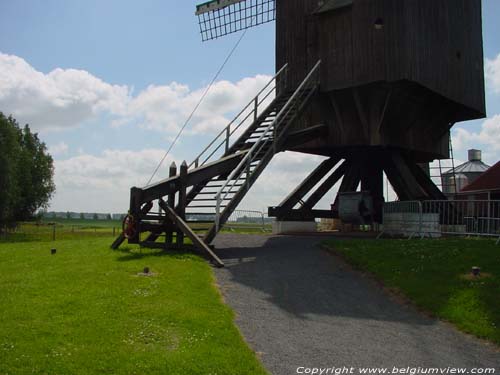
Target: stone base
283	227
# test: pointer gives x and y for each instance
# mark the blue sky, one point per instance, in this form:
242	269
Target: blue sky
134	58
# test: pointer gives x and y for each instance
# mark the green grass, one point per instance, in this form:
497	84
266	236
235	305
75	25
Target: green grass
84	222
86	311
434	274
67	229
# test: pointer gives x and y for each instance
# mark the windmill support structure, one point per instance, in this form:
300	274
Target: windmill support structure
374	86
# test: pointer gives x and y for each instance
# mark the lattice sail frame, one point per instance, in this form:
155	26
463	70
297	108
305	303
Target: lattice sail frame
221	17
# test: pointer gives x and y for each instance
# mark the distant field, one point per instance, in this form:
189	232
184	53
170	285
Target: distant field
85	310
66	229
436	275
85	222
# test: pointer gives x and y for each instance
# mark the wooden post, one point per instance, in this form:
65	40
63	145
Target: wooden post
182	201
171	203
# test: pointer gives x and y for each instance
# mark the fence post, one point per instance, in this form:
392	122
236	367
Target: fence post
420	219
182	200
169	233
256	105
489	217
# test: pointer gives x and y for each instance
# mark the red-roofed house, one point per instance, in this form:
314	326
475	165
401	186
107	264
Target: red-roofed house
485	187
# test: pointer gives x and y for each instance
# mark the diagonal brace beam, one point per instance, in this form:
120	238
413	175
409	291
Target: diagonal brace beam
326	186
184	227
300	191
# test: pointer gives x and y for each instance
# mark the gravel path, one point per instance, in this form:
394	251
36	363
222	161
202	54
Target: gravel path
297	305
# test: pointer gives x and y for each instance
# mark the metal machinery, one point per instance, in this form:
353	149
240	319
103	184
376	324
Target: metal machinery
374	85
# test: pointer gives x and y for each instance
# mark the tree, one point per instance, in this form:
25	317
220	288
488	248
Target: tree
82	216
26	172
9	154
95	217
35	176
68	215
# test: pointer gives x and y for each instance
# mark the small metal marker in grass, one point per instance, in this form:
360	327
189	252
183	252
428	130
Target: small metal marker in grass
146	272
53	251
476	274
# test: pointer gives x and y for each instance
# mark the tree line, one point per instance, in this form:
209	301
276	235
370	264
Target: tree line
26	173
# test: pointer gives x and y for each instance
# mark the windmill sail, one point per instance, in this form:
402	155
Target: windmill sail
221	17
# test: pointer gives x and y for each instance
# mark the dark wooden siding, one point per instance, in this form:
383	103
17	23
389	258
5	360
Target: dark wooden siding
443	42
292	43
435	43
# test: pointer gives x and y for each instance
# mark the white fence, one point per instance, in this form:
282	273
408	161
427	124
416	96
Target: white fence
246	219
438	218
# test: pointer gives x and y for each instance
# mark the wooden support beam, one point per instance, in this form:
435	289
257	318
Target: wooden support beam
372	180
172	172
309	182
300	137
181	207
402	178
118	241
352	177
361	113
184	227
320	192
425	181
194	177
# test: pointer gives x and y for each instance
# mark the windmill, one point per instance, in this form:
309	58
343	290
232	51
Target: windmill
373	85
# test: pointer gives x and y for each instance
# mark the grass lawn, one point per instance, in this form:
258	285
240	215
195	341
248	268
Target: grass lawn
435	275
90	223
86	311
69	229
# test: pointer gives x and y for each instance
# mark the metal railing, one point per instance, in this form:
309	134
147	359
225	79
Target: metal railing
241	219
444	217
249	219
247	115
274	129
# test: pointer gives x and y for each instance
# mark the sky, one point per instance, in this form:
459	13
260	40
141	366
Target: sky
107	85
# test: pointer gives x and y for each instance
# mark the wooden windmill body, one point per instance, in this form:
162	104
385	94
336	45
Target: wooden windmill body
396	75
373	85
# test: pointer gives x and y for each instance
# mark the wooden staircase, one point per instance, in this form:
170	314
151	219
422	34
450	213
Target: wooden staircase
197	201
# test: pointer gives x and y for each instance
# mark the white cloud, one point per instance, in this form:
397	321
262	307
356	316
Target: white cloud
67	98
492	72
285	172
166	108
487	139
102	183
59	99
58	149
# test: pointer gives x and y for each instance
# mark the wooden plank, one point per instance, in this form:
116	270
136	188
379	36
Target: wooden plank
194	177
118	241
315	197
184	227
309	182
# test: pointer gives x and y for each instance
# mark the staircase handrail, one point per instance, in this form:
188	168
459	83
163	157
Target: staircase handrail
272	127
227	131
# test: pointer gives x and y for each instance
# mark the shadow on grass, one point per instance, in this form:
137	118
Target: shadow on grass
136	253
